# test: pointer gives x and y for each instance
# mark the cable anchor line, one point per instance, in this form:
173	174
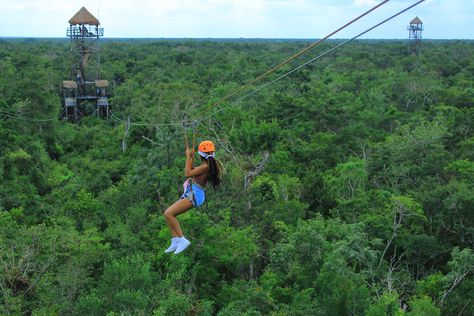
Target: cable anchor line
315	44
16	116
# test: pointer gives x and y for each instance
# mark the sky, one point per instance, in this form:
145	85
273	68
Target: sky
442	19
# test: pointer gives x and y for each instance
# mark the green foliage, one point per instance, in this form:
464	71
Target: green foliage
348	188
347	184
174	304
387	305
348	180
431	286
414	154
265	188
423	307
244	297
253	136
126	285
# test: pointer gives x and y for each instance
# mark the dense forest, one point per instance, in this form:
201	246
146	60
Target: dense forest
348	188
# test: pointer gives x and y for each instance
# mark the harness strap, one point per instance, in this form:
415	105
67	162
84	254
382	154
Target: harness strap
190	184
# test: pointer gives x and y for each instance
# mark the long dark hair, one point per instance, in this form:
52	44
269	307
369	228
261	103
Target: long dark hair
214	172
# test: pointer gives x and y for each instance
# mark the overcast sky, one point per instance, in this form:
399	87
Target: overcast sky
442	19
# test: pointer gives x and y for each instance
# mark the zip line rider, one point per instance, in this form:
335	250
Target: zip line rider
194	191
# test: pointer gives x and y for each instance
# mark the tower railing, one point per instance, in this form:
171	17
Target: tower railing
415	27
84	31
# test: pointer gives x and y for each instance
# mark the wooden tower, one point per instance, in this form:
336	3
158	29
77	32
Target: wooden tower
85	85
415	30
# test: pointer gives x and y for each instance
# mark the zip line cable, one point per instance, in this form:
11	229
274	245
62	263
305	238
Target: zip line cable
220	101
309	62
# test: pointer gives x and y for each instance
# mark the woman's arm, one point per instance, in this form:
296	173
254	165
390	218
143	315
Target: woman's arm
189	171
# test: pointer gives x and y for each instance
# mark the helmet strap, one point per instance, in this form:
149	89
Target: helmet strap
206	155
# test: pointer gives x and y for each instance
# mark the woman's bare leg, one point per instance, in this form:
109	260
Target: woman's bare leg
174	210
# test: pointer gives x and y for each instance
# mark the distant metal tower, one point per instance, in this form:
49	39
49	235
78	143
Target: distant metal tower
85	84
415	30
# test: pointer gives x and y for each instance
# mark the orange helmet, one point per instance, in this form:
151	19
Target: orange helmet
206	146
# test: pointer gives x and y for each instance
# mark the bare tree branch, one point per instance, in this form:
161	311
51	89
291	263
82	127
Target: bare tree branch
259	168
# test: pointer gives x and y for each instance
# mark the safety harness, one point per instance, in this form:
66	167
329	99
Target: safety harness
190	182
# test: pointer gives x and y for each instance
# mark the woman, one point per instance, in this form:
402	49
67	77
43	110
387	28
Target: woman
194	191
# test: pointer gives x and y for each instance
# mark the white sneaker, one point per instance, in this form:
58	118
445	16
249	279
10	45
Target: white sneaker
174	245
183	243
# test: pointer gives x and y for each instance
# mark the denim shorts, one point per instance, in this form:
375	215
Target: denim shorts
196	196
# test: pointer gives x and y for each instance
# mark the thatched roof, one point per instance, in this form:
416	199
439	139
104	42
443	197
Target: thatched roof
68	84
101	83
416	21
84	17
